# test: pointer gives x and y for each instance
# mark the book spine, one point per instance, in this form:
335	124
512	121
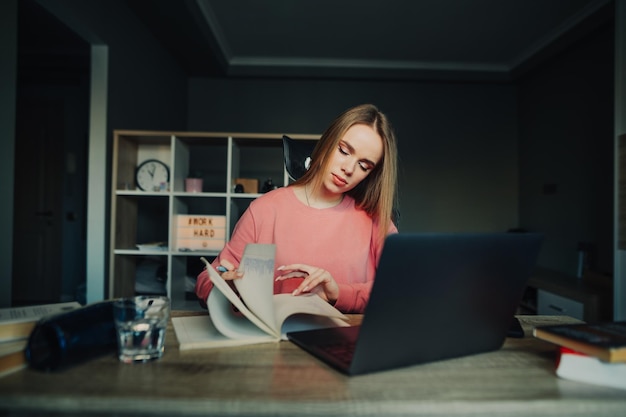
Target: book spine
12	331
12	362
561	341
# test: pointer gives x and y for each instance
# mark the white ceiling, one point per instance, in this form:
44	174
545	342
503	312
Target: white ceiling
391	39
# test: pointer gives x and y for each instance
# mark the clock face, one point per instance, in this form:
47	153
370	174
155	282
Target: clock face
152	175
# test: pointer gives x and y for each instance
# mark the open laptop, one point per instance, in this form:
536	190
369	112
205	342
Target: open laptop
435	296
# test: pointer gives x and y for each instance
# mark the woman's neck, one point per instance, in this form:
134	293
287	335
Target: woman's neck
320	200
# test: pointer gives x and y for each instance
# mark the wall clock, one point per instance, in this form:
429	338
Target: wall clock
152	175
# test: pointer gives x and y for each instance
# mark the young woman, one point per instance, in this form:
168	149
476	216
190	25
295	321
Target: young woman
330	225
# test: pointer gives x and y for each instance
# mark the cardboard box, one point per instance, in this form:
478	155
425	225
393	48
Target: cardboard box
250	185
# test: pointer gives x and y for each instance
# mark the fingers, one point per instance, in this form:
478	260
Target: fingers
299	271
302	268
226	264
316	280
227	270
311	282
292	274
230	275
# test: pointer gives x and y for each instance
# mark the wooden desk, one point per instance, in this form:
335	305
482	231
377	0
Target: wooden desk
281	380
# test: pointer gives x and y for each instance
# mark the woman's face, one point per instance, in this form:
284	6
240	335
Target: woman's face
356	155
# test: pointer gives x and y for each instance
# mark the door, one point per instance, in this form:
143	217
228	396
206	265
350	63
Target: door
37	229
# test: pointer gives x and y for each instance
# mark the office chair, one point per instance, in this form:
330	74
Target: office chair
297	156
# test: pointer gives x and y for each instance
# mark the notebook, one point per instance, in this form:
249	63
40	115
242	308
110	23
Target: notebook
435	296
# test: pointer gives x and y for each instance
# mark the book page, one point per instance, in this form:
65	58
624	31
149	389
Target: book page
18	322
35	312
12	346
257	285
224	288
591	370
311	312
198	332
229	323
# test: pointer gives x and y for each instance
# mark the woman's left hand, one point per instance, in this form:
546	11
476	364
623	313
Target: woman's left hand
316	280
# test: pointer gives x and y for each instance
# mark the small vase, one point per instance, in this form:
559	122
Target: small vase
193	185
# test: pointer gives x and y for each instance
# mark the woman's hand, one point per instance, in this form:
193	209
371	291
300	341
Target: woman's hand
228	271
316	280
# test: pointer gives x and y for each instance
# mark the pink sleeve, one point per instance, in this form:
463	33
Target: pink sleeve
233	251
203	287
354	297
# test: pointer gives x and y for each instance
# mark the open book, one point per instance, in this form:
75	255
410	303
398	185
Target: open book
258	315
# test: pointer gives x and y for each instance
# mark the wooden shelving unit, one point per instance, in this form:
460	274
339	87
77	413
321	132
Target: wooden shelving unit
141	217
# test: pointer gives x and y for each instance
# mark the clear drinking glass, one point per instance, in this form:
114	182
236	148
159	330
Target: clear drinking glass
141	323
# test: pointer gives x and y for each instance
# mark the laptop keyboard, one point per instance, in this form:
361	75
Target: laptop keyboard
342	352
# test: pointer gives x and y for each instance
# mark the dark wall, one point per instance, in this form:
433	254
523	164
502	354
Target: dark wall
146	89
458	142
462	167
566	152
462	144
8	77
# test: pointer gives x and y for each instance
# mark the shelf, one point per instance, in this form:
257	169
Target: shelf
139	217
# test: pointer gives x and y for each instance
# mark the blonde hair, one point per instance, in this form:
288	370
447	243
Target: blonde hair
377	193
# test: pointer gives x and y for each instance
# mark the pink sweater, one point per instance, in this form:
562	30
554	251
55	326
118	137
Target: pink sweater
342	240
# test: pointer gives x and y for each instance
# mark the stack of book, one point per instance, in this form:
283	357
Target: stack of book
200	232
16	325
590	353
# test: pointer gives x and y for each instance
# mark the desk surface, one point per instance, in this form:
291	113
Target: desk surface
280	379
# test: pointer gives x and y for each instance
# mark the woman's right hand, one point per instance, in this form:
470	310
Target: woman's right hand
230	273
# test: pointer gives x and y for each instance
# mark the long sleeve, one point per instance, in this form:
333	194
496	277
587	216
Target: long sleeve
342	240
353	297
233	252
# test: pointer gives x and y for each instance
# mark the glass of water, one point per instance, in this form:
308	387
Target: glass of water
141	323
